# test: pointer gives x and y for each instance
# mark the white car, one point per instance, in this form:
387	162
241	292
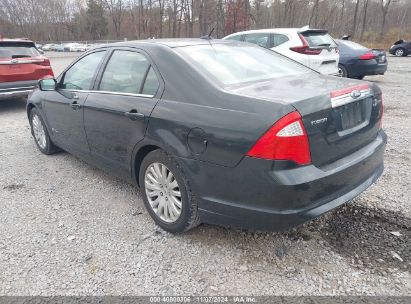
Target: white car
311	47
77	47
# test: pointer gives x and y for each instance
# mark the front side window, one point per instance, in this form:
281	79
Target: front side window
81	74
232	65
261	39
129	72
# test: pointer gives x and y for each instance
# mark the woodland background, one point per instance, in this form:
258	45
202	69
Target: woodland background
373	22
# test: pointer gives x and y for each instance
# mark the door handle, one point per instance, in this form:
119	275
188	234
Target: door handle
75	105
134	115
75	96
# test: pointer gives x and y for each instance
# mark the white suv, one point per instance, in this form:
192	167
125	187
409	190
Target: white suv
311	47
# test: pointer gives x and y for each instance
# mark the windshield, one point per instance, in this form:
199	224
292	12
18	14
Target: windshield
352	45
316	39
236	64
17	50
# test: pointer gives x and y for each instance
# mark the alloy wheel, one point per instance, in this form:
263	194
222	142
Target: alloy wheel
39	131
163	192
399	52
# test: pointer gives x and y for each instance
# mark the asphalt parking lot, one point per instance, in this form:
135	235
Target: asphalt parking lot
71	229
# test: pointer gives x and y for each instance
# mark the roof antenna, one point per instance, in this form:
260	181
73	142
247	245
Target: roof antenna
208	37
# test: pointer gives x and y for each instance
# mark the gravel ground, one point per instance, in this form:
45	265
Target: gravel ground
71	229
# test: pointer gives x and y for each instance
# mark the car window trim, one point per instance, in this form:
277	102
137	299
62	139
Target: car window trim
103	67
143	82
111	93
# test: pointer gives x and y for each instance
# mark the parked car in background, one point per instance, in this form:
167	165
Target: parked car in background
357	61
401	48
21	66
59	48
48	47
242	137
77	47
311	47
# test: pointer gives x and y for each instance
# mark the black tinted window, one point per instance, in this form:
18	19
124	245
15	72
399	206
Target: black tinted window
261	39
80	75
125	72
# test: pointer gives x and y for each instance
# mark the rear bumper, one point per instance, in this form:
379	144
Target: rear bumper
365	67
256	195
16	89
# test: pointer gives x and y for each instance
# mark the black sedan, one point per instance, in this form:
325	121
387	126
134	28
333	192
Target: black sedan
357	61
215	131
401	48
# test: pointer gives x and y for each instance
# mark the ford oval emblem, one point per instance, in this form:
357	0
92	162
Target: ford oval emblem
355	94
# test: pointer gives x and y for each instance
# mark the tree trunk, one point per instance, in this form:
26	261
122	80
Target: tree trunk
354	24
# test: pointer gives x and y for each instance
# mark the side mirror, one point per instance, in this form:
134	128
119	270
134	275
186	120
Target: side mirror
47	84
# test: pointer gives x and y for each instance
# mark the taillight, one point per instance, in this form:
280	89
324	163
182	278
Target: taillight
305	48
44	62
368	56
286	140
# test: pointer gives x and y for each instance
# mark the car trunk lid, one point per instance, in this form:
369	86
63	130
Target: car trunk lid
340	116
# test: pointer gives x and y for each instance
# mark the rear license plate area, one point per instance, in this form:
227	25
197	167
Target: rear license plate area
353	116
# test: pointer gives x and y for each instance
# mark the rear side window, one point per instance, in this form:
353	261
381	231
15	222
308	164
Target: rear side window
129	72
261	39
279	39
316	39
235	37
81	74
17	50
151	84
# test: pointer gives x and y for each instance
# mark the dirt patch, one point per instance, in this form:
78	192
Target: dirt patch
13	187
371	238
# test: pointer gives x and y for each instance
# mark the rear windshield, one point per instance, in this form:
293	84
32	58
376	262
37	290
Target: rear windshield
352	45
237	64
18	50
316	39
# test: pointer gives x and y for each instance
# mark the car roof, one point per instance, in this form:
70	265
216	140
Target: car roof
172	43
14	40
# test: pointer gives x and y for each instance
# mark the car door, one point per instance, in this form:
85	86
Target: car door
116	112
64	106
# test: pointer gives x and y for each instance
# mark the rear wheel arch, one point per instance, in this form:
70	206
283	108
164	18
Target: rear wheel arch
139	157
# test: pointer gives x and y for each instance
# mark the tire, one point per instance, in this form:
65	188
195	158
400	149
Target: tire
342	71
43	141
400	52
181	213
